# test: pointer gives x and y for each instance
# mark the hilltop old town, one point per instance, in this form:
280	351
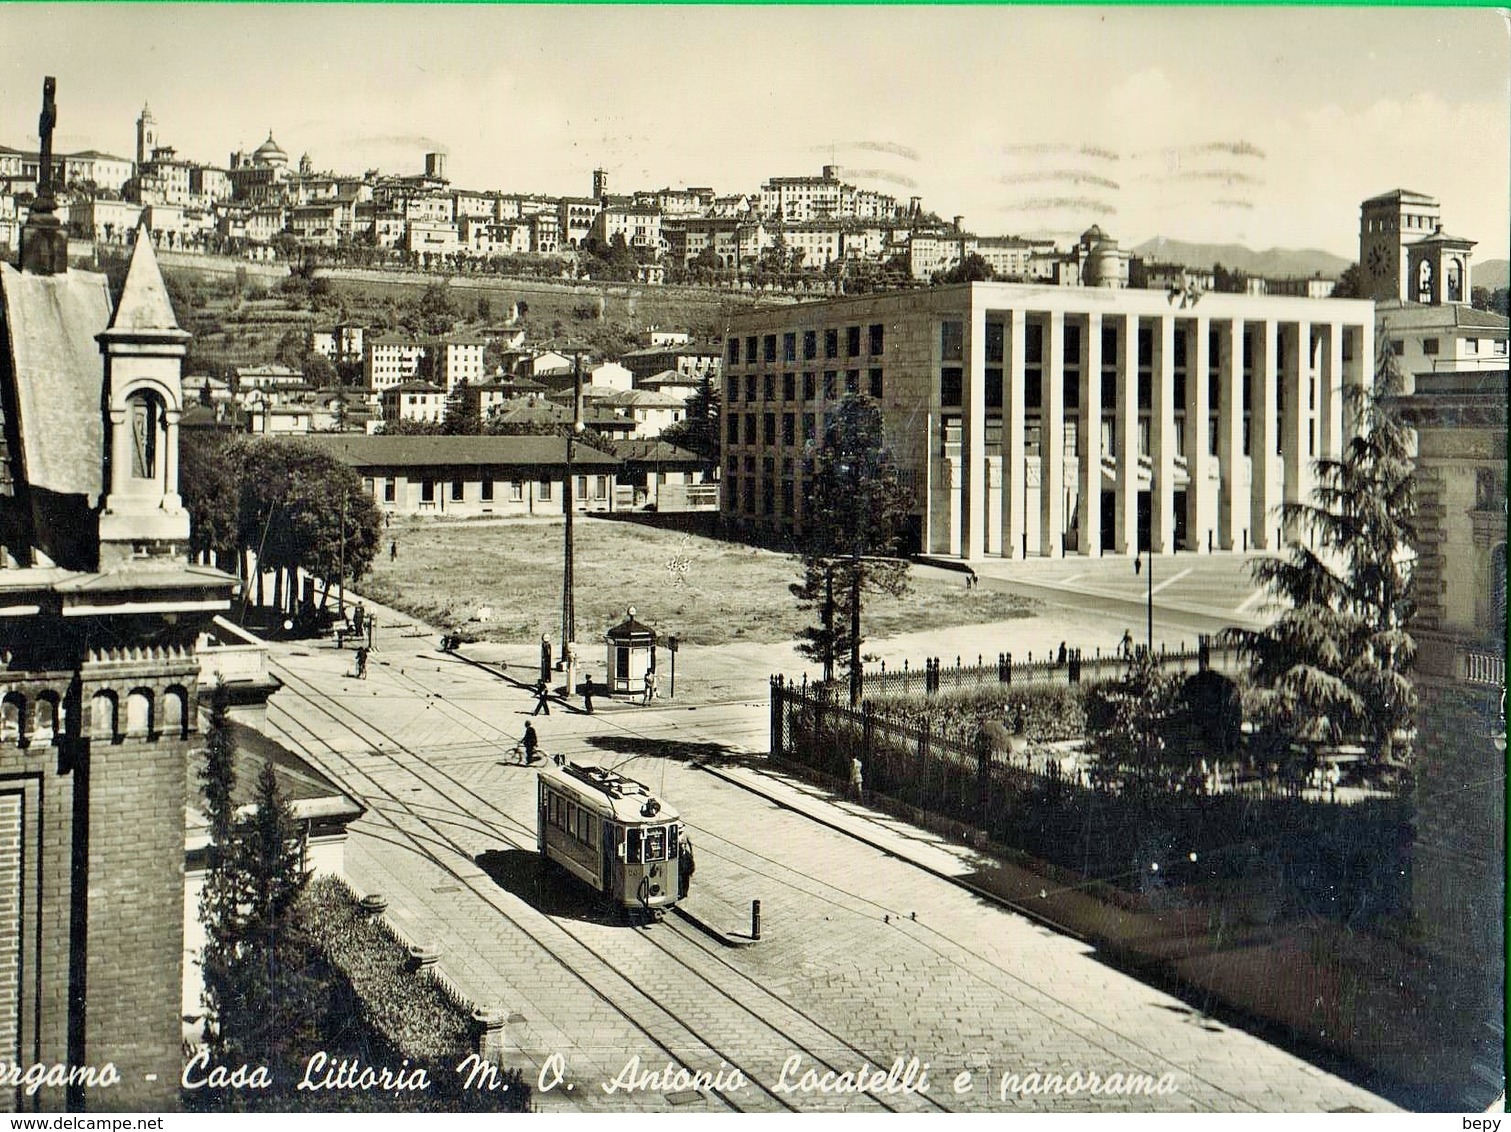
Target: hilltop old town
767	647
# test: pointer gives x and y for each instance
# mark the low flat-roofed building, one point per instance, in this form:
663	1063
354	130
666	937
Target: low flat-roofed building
476	475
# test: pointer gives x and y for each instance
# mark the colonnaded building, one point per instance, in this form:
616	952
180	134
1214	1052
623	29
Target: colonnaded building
1037	420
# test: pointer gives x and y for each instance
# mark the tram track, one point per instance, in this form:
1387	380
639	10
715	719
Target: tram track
996	976
653	1016
487	742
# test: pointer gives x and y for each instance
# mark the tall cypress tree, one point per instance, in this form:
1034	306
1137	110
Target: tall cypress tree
220	899
1335	662
262	1005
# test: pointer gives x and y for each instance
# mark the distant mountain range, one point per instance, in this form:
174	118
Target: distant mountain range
1274	263
1493	273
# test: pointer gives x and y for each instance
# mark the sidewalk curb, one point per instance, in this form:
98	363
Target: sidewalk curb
960	882
726	938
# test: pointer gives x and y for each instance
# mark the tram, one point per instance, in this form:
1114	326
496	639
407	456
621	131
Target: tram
613	833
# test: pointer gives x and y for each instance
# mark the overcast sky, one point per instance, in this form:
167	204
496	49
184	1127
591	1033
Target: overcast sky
1264	127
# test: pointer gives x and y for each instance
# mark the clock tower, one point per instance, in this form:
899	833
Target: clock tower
1387	224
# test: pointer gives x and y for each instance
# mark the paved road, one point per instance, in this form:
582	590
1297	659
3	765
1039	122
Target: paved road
864	957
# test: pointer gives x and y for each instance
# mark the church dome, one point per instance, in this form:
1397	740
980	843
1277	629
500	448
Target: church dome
269	153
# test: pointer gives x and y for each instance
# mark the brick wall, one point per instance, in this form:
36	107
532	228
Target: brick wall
1458	863
134	899
10	927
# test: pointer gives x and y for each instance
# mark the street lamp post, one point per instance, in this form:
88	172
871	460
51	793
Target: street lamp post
1150	572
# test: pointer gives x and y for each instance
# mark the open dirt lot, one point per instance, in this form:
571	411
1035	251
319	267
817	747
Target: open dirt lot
705	591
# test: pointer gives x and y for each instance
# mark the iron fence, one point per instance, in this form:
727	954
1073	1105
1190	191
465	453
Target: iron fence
1134	835
1062	665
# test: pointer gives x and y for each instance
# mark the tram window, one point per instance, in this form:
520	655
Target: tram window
655	843
671	841
632	846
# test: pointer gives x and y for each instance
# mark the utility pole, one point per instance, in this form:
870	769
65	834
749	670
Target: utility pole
341	568
568	608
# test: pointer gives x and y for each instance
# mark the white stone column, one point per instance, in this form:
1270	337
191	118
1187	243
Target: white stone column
1361	373
1125	529
1233	507
1014	334
1089	480
172	500
1262	433
1162	438
1052	439
1330	393
1295	376
973	436
1199	511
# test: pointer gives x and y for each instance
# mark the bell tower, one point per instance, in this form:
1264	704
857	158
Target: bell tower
146	137
144	349
1438	269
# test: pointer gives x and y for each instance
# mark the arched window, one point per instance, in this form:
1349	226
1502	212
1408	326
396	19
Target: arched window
144	421
45	718
175	712
102	716
12	718
1455	281
139	712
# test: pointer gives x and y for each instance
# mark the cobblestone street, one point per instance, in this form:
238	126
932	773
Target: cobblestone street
864	957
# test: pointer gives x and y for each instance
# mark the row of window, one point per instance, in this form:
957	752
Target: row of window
769	431
874	341
768	388
642	844
1432	346
952	388
43	718
952	344
514	490
1071	434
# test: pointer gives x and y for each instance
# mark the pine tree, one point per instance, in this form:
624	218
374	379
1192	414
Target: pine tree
852	523
461	414
220	899
698	432
262	1004
1335	663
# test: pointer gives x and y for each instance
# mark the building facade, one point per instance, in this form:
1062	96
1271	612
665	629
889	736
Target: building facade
1459	843
1053	420
463	476
99	615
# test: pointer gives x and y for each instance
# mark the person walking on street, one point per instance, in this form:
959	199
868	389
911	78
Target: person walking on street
650	688
393	550
1126	646
587	694
529	743
542	698
361	662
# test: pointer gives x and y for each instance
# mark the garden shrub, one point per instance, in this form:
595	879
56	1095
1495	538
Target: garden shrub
379	1012
1052	713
